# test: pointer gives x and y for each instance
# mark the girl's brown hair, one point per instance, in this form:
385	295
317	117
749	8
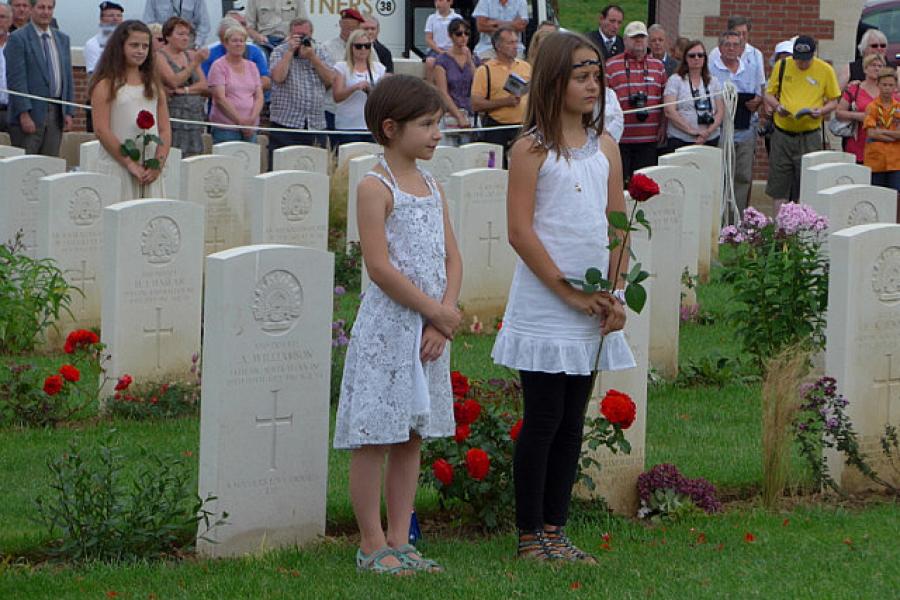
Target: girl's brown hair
549	80
887	73
683	65
400	98
112	65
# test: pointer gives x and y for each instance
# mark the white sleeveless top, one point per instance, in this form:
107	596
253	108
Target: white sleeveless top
541	332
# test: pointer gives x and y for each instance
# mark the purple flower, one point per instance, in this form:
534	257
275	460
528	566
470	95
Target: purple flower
793	218
753	219
802	426
339	290
832	423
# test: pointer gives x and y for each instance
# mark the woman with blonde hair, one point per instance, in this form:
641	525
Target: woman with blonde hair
854	100
236	89
354	78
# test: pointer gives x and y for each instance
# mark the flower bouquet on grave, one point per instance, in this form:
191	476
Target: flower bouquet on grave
136	148
616	354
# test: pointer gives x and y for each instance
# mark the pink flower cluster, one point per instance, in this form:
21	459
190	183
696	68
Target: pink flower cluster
794	218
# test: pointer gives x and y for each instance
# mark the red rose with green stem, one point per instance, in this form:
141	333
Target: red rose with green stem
478	463
618	408
130	149
53	385
70	373
443	471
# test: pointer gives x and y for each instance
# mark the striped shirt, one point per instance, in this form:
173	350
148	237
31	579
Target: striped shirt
626	77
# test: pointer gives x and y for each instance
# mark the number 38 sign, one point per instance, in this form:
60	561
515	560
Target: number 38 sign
385	7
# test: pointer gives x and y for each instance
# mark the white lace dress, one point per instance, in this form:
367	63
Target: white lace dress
386	390
541	332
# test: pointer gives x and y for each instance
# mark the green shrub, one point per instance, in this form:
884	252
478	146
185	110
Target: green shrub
33	293
101	514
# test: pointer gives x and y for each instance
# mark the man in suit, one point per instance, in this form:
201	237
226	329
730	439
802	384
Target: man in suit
659	47
38	61
607	35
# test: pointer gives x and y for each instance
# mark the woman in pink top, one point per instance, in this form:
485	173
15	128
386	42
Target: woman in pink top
854	100
237	94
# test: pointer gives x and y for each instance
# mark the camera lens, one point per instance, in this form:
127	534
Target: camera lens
642	115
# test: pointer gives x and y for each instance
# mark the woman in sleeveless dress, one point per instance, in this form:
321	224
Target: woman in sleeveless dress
123	86
185	85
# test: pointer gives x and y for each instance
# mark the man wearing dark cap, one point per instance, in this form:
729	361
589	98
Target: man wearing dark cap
336	49
111	14
802	91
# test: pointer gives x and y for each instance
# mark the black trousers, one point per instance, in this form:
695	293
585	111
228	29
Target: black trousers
636	157
549	446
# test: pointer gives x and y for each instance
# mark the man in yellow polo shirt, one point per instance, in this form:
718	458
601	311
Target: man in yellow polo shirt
802	91
491	95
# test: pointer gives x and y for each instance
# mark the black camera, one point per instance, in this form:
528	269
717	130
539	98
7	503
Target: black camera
638	100
703	106
304	41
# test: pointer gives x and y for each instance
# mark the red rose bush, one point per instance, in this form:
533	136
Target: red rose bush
472	471
617	413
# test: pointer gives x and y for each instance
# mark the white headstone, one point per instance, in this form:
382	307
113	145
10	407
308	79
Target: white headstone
289	207
152	272
89	155
820	177
446	161
863	340
705	193
10	151
250	156
301	158
20	195
686	183
711	162
855	204
172	174
357	169
617	480
265	394
70	232
477	201
214	182
477	155
821	157
353	149
665	213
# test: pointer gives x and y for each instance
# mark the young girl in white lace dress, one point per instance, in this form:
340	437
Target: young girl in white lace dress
565	176
396	386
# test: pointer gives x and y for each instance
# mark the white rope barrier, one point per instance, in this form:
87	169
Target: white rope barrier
729	209
452	131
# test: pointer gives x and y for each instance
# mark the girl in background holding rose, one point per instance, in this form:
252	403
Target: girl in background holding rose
565	177
396	386
124	85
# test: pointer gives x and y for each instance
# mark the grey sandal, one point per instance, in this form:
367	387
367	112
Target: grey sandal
373	562
414	559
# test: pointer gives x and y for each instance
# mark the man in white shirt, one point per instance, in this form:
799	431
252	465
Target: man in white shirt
111	14
750	56
5	21
491	15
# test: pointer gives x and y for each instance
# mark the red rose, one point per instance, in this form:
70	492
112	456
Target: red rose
53	384
462	433
515	430
123	383
80	338
70	373
618	409
145	119
443	471
465	413
499	325
477	463
642	188
460	384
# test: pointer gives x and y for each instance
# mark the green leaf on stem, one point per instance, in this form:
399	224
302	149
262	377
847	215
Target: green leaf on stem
134	154
615	243
152	163
642	219
618	220
635	297
593	275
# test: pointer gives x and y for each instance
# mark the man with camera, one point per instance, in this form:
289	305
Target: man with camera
301	72
638	80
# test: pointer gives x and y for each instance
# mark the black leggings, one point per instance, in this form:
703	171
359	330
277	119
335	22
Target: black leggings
549	446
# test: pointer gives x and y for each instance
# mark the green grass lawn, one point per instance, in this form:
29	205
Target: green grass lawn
581	15
805	550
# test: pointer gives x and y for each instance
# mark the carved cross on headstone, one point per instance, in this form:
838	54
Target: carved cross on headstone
490	239
891	386
217	242
79	279
274	422
158	332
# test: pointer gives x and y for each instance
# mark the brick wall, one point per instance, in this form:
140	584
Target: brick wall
81	84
